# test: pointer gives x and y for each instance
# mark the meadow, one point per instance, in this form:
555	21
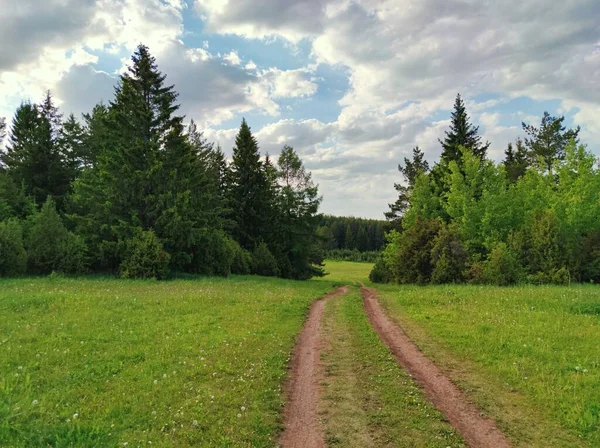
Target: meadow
202	361
107	362
527	355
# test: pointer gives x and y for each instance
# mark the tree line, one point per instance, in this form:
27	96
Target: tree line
133	190
533	217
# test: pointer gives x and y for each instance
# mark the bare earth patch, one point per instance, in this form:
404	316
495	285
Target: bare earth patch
477	430
302	427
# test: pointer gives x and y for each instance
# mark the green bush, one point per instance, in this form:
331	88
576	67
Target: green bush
502	266
214	253
263	261
145	257
380	273
13	258
448	257
413	263
51	247
241	263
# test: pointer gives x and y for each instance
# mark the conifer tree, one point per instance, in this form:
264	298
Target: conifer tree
299	202
248	190
33	157
410	171
547	143
515	161
72	144
461	133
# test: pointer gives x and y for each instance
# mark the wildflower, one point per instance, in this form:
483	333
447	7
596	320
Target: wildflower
155	381
164	375
239	415
243	408
195	423
34	402
75	415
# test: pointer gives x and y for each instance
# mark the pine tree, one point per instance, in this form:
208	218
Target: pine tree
349	241
248	191
72	145
461	133
147	174
97	135
515	161
548	142
33	157
410	171
298	221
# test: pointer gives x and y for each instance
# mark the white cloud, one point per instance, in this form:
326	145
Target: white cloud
232	58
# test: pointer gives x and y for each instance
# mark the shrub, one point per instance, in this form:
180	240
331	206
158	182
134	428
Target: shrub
413	263
502	266
213	254
263	261
448	257
380	273
145	257
242	259
13	258
51	247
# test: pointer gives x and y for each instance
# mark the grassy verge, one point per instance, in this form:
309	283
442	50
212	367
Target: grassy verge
367	399
527	355
100	362
347	272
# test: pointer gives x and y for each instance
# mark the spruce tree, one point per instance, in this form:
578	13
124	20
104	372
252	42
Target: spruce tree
515	161
461	133
547	143
410	171
72	145
33	157
248	191
298	243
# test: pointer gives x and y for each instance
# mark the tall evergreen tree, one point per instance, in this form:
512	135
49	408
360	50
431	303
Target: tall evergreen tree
248	190
461	133
547	143
72	145
410	171
299	202
33	157
148	176
97	135
515	161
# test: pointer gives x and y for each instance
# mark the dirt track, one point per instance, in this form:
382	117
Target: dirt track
477	431
302	427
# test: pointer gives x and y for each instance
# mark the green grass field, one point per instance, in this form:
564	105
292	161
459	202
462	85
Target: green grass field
107	362
102	362
529	356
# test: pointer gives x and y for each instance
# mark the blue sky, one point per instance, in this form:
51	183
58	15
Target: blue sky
353	85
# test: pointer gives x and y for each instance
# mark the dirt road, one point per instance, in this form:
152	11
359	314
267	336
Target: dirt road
302	427
477	430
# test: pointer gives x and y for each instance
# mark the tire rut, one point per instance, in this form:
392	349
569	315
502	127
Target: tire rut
478	431
301	424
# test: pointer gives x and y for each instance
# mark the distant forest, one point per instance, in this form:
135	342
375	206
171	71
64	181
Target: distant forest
532	218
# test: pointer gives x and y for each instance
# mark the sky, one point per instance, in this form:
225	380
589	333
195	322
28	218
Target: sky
353	86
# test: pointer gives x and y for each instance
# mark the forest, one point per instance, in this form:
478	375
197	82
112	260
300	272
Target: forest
531	218
136	192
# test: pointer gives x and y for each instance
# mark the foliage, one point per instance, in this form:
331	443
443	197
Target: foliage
13	258
263	261
352	255
145	257
340	232
241	262
520	220
51	247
